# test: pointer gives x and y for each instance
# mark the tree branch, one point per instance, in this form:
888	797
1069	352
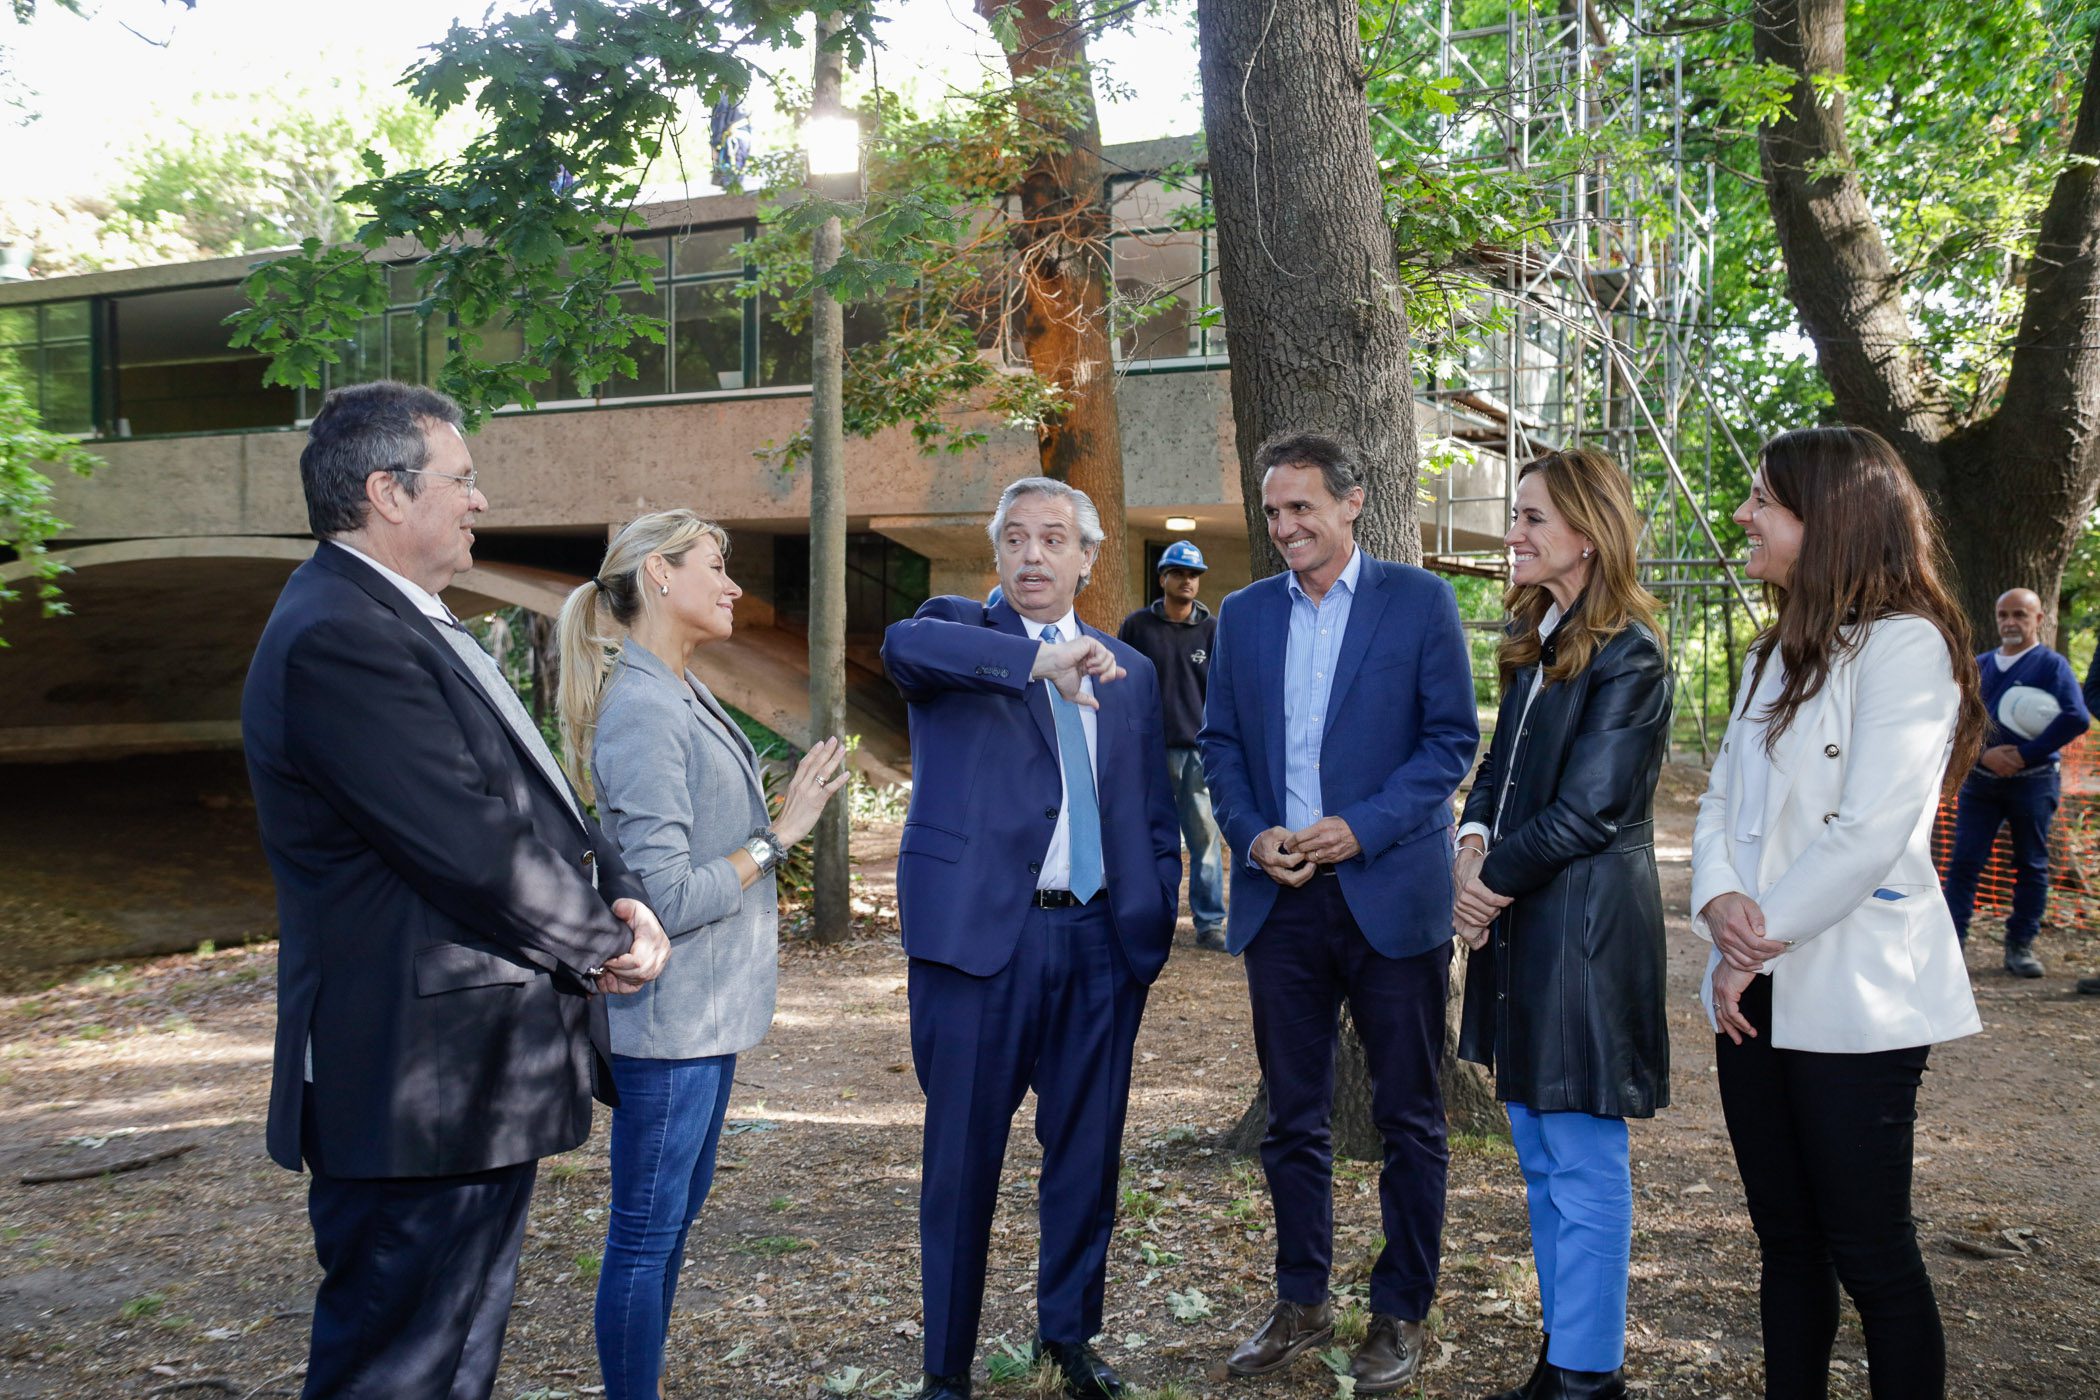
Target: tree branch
1839	273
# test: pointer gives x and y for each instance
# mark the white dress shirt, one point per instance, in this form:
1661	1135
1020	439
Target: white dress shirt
1056	873
1538	679
426	602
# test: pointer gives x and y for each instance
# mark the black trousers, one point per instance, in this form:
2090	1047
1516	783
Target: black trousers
1824	1146
1309	956
419	1273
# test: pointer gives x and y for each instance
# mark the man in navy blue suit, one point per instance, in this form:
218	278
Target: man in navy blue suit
1038	879
1339	722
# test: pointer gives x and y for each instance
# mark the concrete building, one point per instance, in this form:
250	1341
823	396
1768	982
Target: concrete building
180	544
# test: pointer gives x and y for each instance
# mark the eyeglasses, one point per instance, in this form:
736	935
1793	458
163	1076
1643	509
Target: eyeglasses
466	482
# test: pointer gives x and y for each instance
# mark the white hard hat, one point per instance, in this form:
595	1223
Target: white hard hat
2026	710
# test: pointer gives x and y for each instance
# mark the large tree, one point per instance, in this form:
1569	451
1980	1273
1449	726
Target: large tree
2013	468
1311	283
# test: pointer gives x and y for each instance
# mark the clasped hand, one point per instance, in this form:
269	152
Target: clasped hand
1290	858
645	958
1066	665
1474	906
1738	928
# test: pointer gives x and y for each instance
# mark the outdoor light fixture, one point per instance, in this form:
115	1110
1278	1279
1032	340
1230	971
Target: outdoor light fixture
1181	524
832	145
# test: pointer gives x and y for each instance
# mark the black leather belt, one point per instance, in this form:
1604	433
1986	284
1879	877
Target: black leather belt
1059	899
1327	870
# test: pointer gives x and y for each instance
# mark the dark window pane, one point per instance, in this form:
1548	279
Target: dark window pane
499	343
17	325
652	363
64	320
866	324
707	338
363	356
69	400
401	285
175	372
783	355
706	250
405	349
1159	275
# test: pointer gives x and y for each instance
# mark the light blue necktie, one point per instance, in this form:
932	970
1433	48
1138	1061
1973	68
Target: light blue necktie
1082	808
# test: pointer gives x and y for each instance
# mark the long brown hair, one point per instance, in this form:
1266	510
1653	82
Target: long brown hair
1595	500
1870	549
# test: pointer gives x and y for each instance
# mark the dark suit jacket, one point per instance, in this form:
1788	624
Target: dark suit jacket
986	789
1400	733
435	910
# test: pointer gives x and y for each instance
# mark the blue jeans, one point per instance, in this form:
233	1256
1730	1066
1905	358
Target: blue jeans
664	1135
1579	1185
1200	829
2025	802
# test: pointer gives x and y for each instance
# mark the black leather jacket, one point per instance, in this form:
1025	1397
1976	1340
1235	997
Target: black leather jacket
1566	1001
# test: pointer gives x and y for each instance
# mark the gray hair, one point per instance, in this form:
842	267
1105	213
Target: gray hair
1090	532
1083	513
361	429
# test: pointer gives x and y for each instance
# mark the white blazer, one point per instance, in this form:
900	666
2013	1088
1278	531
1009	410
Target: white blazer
1848	811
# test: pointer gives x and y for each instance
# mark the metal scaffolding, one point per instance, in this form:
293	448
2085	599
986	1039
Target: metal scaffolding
1595	328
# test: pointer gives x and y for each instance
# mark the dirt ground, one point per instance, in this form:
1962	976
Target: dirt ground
194	1276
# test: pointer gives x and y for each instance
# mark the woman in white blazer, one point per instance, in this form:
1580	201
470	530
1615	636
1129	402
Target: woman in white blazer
1835	965
677	786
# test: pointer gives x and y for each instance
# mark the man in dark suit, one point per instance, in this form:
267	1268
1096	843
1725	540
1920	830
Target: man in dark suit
445	910
1037	880
1339	722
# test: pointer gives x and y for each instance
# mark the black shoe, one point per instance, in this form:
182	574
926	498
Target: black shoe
1390	1356
1292	1330
1087	1376
2020	960
943	1388
1530	1387
1211	939
1560	1384
2089	986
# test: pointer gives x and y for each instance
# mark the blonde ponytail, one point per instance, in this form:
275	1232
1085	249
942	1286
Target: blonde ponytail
598	614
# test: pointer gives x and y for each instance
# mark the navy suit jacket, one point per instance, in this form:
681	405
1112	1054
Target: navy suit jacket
436	918
1400	734
986	790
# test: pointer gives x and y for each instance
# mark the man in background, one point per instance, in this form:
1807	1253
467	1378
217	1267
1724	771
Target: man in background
2035	708
1176	634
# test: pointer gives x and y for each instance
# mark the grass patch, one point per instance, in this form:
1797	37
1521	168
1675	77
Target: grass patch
775	1246
1491	1147
143	1306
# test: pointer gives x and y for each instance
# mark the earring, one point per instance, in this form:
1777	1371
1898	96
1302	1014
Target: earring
1585	554
664	589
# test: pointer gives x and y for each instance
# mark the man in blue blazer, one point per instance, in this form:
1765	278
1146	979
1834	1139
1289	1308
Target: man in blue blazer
1339	722
1037	880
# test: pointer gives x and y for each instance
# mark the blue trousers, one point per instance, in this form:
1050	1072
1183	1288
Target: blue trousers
1061	1017
1308	958
2027	804
1200	830
664	1135
1579	1185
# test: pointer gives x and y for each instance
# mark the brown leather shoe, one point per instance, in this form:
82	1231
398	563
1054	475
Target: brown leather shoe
1292	1330
1390	1356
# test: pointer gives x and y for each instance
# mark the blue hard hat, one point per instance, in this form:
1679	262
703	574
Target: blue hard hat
1182	554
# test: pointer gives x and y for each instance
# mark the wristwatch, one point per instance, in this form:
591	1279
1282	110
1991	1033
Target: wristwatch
765	848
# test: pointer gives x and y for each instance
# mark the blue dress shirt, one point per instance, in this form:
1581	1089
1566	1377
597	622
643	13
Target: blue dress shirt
1314	644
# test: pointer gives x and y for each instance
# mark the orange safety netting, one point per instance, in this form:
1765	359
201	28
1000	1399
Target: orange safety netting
2074	848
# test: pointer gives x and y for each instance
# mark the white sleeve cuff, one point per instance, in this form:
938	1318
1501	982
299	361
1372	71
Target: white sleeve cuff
1476	829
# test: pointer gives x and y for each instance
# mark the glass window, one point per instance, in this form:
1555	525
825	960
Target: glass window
707	336
1136	205
45	349
707	251
1158	279
175	373
652	362
783	354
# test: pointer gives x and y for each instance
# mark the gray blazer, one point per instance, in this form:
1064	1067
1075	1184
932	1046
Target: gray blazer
678	789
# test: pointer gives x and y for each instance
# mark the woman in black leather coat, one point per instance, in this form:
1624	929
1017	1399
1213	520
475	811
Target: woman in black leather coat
1558	898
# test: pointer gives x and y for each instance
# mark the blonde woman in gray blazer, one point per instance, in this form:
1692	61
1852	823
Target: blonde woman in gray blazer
677	786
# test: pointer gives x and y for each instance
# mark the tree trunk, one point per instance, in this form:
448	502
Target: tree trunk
1061	231
831	914
2014	488
1319	336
